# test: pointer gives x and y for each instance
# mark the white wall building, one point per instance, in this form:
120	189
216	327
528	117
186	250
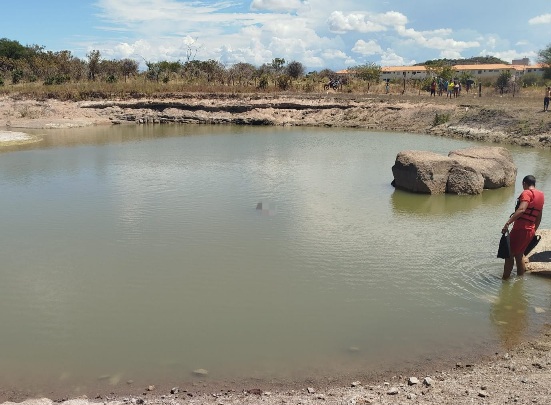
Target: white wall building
477	72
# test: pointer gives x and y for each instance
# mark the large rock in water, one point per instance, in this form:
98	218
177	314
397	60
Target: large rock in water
464	180
495	164
463	171
421	171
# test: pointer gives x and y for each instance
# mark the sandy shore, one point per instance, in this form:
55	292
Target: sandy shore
520	375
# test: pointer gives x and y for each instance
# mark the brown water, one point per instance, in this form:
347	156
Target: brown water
144	253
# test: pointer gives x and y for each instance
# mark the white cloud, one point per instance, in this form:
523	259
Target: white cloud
450	54
339	23
367	48
333	54
280	5
311	61
363	22
390	58
491	42
140	11
541	19
436	40
317	35
509	55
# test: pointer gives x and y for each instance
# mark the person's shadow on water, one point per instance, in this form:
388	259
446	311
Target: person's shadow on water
509	312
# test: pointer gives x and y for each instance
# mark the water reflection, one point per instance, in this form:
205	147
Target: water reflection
112	134
509	313
445	204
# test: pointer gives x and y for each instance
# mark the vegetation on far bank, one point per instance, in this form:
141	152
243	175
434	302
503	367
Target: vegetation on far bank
32	71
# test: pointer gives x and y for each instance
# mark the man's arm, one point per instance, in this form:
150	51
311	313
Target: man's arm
520	210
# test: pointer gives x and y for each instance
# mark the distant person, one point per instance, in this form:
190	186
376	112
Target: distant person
526	220
456	88
450	89
546	99
433	88
440	87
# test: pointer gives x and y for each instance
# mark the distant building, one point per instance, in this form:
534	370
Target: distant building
477	72
403	72
523	61
489	71
538	69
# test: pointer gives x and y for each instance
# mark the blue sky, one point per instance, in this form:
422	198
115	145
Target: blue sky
320	34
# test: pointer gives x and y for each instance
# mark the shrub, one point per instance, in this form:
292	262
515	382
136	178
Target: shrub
440	119
56	79
16	76
263	82
1	81
309	87
283	82
111	79
532	79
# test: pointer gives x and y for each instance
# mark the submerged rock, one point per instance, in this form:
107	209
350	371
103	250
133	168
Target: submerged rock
200	372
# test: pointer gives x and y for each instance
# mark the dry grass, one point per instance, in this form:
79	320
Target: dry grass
140	88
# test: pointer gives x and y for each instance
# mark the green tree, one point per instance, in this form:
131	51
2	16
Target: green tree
110	69
94	59
209	70
153	70
283	82
369	72
242	72
295	70
168	68
544	57
277	65
440	69
503	80
128	67
531	79
213	70
465	76
13	49
326	74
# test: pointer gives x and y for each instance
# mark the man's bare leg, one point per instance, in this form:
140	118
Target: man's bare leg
508	268
521	266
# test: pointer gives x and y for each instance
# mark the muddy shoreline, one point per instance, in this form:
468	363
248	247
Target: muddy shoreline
505	120
521	374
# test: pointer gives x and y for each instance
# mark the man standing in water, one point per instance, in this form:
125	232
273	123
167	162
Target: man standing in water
526	220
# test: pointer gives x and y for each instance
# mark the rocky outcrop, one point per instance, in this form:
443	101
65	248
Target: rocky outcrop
421	172
464	180
494	163
463	171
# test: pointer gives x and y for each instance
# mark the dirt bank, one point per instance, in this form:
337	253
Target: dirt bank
513	120
520	375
